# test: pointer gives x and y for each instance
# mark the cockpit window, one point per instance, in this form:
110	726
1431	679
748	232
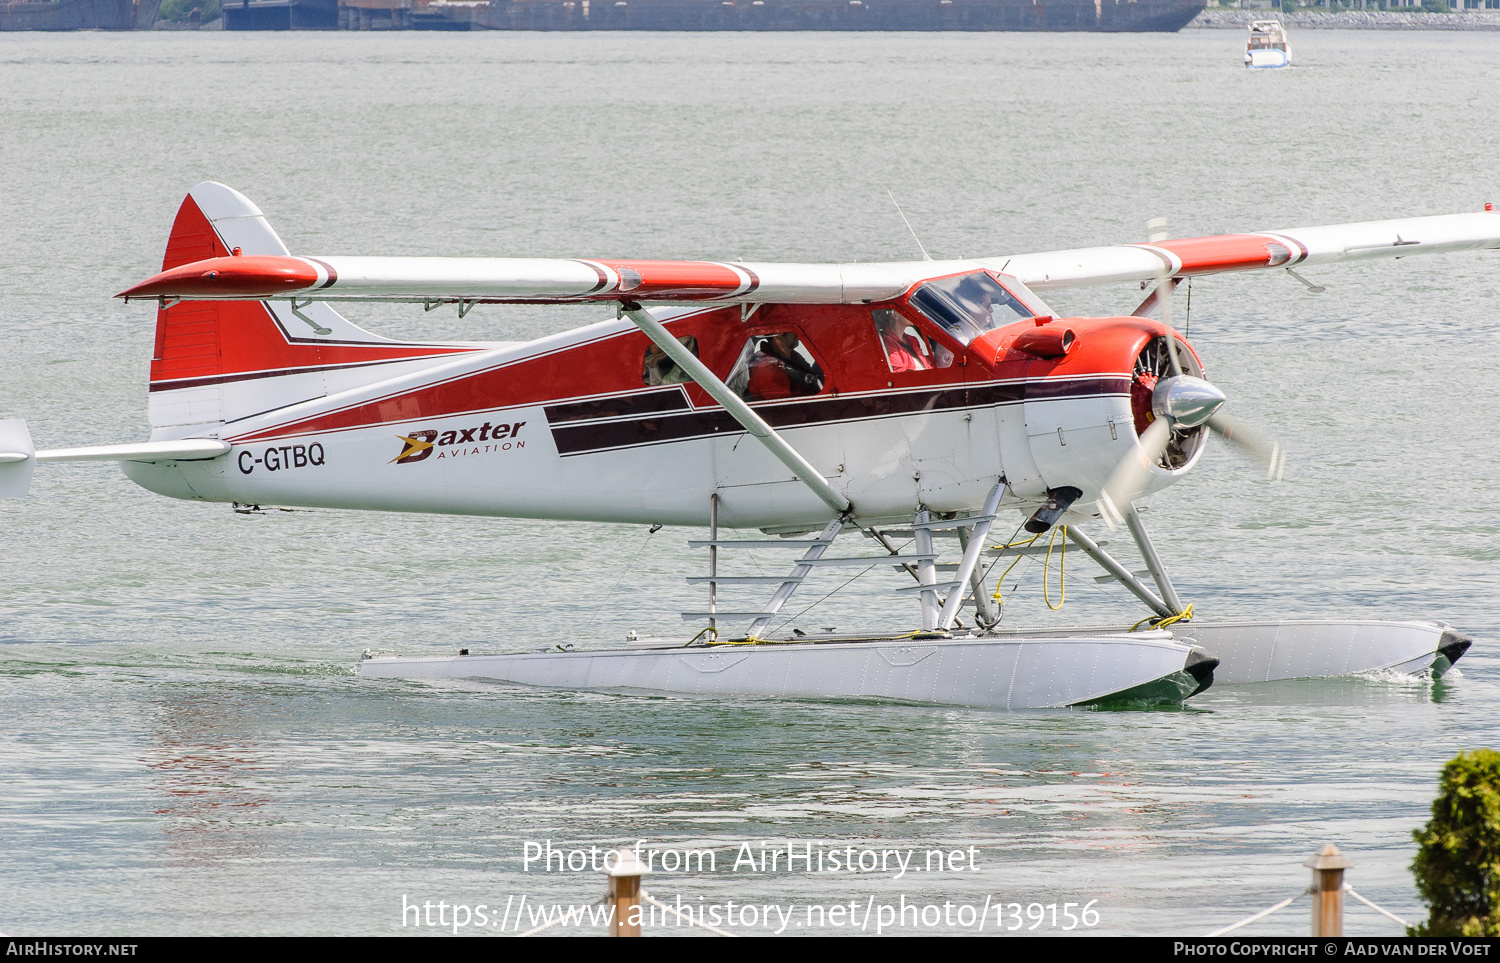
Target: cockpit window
774	366
969	305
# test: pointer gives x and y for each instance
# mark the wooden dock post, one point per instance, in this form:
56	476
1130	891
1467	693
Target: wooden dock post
625	892
1328	890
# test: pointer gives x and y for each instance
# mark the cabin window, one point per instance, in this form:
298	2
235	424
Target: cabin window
775	365
658	369
969	305
906	349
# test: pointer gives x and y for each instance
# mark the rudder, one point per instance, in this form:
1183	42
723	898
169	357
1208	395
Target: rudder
218	361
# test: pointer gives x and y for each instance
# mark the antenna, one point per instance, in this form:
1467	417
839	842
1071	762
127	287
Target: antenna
925	255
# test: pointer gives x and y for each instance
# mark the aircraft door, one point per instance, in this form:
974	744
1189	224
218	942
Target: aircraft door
947	430
990	438
779	372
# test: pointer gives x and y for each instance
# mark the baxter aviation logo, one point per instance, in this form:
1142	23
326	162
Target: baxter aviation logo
460	443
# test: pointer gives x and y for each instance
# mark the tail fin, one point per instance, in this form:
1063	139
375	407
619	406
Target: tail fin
218	361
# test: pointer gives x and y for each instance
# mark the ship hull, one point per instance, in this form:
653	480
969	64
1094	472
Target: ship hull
1105	16
78	15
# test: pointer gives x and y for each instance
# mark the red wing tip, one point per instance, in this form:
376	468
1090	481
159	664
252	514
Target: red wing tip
228	277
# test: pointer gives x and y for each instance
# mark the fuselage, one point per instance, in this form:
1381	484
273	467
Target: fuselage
897	403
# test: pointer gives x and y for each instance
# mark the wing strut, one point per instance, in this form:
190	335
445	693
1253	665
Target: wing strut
740	411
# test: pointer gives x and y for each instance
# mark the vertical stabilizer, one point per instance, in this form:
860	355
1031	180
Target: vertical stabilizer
218	361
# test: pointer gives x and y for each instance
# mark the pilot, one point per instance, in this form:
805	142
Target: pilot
778	371
978	299
902	350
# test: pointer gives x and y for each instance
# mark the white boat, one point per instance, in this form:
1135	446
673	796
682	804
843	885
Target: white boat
1267	46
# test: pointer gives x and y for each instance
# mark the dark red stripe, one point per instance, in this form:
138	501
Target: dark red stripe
603	279
623	405
332	274
586	438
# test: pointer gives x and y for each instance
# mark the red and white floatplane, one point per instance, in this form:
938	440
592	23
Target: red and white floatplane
915	402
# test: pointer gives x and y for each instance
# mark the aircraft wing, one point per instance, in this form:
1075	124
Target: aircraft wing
1188	257
264	277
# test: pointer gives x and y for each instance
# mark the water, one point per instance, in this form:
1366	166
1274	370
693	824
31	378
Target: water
184	745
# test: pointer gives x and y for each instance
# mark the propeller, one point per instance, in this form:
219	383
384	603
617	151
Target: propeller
1130	476
1262	448
1179	402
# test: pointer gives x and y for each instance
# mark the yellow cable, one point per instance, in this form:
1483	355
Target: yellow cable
1062	559
1185	615
1160	622
1000	583
753	640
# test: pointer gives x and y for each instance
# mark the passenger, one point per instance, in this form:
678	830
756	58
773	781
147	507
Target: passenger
903	351
778	371
658	369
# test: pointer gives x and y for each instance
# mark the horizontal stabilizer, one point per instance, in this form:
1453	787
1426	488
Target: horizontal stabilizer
187	449
16	461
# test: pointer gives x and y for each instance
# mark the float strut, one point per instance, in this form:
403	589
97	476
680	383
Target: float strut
984	605
927	574
713	563
799	572
1118	571
970	561
1153	562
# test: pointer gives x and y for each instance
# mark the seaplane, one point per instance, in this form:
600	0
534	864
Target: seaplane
925	404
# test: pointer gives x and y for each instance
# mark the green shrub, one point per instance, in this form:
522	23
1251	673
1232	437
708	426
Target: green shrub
180	10
1457	867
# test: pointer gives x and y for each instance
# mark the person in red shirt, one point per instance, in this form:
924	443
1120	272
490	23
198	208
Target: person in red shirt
778	371
902	351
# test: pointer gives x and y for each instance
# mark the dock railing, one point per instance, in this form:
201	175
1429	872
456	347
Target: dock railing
1327	892
625	895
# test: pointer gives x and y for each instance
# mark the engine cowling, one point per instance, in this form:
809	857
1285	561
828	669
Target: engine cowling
1086	388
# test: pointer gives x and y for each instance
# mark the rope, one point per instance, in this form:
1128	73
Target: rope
1186	615
706	631
1258	916
1000	582
753	640
629	566
691	922
1388	915
1159	622
1062	560
785	622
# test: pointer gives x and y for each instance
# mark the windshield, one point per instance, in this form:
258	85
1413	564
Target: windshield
969	305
